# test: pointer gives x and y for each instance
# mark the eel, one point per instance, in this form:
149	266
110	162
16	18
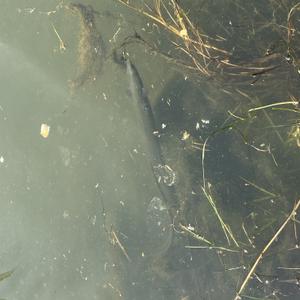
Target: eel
155	157
139	96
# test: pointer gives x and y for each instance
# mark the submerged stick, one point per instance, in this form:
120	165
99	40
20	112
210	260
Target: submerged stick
6	275
293	102
266	248
116	240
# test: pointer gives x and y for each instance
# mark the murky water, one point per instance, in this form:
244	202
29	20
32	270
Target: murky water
62	197
86	214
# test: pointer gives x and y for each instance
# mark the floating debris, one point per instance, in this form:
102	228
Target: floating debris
45	129
185	135
62	46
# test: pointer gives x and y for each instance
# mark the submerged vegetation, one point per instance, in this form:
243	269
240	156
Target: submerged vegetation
223	138
214	55
91	49
251	54
5	275
234	229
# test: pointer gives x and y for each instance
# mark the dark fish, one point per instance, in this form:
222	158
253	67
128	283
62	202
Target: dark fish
168	193
139	96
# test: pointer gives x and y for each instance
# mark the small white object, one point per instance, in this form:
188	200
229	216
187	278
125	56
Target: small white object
205	121
45	129
191	228
185	135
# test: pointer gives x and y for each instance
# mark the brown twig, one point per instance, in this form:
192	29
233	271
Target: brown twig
116	240
265	249
200	50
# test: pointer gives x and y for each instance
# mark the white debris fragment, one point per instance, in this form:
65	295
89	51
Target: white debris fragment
45	129
28	10
191	228
1	159
206	122
185	135
94	220
66	214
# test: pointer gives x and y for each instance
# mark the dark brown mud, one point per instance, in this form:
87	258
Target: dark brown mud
91	49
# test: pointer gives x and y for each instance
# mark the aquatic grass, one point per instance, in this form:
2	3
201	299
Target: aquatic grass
116	241
259	188
212	248
206	188
269	119
211	57
292	102
291	33
293	133
194	235
262	199
178	24
251	115
265	249
203	53
6	275
247	235
225	227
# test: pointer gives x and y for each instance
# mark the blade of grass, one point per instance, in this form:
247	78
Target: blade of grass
265	249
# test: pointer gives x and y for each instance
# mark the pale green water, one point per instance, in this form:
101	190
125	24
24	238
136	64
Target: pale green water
53	190
63	197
